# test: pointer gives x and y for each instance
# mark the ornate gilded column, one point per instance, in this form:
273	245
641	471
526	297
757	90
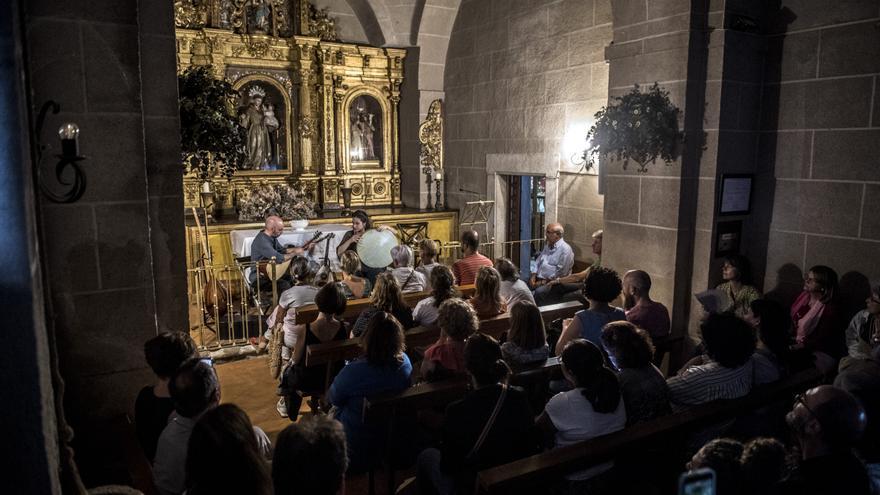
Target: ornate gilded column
307	124
338	97
395	137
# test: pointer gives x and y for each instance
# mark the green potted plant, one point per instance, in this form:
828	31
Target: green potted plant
638	126
212	141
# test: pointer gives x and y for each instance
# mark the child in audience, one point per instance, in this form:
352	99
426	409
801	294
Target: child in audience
487	294
427	259
457	321
386	297
442	289
592	408
527	338
601	286
153	406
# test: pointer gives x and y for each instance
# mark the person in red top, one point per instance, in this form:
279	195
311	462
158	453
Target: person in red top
457	321
465	269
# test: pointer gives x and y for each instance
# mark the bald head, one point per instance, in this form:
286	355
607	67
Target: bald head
828	417
553	233
638	280
274	226
470	240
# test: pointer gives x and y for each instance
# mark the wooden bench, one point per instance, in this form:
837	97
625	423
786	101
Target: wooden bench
140	471
524	475
308	313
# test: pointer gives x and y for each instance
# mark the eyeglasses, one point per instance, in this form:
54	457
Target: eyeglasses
554	232
802	400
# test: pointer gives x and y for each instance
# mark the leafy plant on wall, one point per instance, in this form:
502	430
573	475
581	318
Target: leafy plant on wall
638	126
212	141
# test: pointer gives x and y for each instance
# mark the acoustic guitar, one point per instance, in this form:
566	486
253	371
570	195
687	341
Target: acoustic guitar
281	268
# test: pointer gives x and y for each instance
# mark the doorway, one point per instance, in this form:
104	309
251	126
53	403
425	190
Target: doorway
525	220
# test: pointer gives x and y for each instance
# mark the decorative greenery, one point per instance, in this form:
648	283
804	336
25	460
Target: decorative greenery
637	126
210	137
275	199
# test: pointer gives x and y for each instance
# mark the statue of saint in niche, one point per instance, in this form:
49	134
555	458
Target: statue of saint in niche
365	137
260	121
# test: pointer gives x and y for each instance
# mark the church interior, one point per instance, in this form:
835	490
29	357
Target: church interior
687	180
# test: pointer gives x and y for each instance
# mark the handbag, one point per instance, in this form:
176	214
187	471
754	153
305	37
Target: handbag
276	342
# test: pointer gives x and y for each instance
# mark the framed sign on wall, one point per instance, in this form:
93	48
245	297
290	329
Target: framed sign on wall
736	194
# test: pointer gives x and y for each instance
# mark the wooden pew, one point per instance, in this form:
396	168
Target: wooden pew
308	313
139	468
524	475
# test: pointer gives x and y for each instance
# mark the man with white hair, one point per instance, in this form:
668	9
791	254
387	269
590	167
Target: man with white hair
409	279
554	262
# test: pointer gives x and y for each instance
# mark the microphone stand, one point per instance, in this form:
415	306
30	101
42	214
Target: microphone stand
325	265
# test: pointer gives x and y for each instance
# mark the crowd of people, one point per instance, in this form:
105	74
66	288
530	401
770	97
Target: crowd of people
825	441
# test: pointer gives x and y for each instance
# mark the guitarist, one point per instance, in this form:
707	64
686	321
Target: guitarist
266	247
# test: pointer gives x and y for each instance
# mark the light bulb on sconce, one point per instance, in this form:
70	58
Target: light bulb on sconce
438	176
575	146
69	135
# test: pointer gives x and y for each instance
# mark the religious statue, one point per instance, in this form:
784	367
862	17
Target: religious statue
261	16
260	121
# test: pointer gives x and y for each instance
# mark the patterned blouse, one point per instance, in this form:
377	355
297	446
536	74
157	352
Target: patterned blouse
740	301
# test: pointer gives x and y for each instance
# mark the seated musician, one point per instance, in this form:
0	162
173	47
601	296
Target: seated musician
554	262
266	247
568	288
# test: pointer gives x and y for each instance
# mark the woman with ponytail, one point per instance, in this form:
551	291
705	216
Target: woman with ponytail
492	425
592	408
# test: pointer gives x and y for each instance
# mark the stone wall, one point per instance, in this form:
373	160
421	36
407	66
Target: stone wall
348	26
822	143
520	75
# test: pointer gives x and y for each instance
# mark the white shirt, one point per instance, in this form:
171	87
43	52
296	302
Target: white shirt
426	271
416	283
514	292
294	297
555	261
426	313
575	420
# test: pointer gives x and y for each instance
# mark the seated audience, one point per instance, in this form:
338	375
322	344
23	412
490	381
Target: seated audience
826	423
863	332
602	286
387	297
409	279
645	313
457	321
736	272
442	289
154	406
725	372
310	457
487	294
554	262
297	379
645	392
305	274
383	368
772	355
472	437
465	269
513	289
224	442
427	259
356	287
194	389
722	455
763	463
527	338
862	379
816	318
594	407
570	286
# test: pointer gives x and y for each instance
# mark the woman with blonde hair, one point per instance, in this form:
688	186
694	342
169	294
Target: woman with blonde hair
357	287
427	259
386	296
527	338
487	294
457	321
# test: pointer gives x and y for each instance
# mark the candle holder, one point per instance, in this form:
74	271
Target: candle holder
437	204
346	199
428	180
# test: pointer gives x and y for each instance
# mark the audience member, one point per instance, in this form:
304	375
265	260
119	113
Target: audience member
465	269
164	353
772	355
387	297
826	423
442	289
862	379
763	462
513	289
301	294
409	279
725	372
737	274
645	313
487	294
722	455
383	367
297	379
571	285
601	286
457	321
356	287
554	262
310	457
224	455
474	435
427	259
527	338
816	318
645	392
594	406
863	332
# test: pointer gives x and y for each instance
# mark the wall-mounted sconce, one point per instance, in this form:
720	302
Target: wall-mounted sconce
69	135
575	146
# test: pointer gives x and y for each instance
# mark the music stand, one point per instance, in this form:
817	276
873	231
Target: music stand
476	214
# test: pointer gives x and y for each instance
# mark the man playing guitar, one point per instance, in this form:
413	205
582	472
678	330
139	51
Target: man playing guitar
266	247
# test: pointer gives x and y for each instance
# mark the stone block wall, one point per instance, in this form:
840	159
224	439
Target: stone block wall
348	26
821	143
519	76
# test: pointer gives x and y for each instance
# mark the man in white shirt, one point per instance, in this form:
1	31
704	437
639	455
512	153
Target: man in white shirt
554	262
